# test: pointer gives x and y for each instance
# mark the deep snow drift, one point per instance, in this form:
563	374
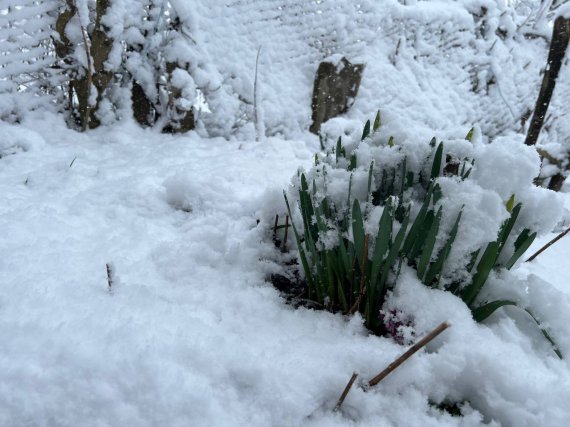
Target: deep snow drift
190	333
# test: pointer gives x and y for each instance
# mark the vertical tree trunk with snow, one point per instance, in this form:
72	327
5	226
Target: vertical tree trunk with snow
97	47
101	45
558	46
142	106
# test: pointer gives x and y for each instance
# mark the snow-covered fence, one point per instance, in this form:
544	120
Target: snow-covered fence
27	61
469	62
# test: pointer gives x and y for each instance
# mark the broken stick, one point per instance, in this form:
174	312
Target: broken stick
417	346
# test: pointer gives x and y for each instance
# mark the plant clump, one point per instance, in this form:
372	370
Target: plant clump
352	248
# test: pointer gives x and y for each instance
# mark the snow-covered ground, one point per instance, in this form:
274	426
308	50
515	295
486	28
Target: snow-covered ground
190	333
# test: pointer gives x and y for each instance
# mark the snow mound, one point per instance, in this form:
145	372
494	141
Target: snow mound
15	139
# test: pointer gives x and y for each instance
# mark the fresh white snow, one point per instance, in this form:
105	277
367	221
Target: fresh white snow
190	333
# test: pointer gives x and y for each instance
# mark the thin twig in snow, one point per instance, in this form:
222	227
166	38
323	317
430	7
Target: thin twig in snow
345	392
286	231
109	277
413	349
549	244
256	117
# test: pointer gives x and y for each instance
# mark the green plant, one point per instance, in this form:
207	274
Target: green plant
349	270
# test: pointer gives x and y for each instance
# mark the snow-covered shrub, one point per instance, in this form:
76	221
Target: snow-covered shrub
369	207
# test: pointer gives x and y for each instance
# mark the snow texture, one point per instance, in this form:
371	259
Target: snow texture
189	332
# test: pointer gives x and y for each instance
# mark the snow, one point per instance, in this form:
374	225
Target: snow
15	139
190	331
191	334
564	11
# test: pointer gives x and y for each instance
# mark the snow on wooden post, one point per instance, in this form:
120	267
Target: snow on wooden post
336	86
558	46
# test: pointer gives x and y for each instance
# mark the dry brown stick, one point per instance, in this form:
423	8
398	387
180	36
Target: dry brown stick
275	229
345	391
354	308
286	231
549	244
396	363
109	277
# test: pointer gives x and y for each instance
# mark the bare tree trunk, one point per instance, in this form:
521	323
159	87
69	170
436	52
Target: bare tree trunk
101	46
63	48
97	49
142	106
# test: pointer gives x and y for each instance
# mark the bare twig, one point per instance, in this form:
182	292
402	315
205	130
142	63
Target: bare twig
549	244
275	226
286	231
109	277
345	392
256	112
413	349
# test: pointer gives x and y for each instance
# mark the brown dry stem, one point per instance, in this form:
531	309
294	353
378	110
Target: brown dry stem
549	244
413	349
345	391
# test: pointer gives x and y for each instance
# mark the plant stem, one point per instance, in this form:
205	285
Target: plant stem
549	244
413	349
345	391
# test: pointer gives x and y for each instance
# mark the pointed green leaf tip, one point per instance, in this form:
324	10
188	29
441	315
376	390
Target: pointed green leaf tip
338	150
511	204
366	130
437	159
377	121
391	142
352	162
469	136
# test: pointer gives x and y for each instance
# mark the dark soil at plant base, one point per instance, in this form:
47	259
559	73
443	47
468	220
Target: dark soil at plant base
294	290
